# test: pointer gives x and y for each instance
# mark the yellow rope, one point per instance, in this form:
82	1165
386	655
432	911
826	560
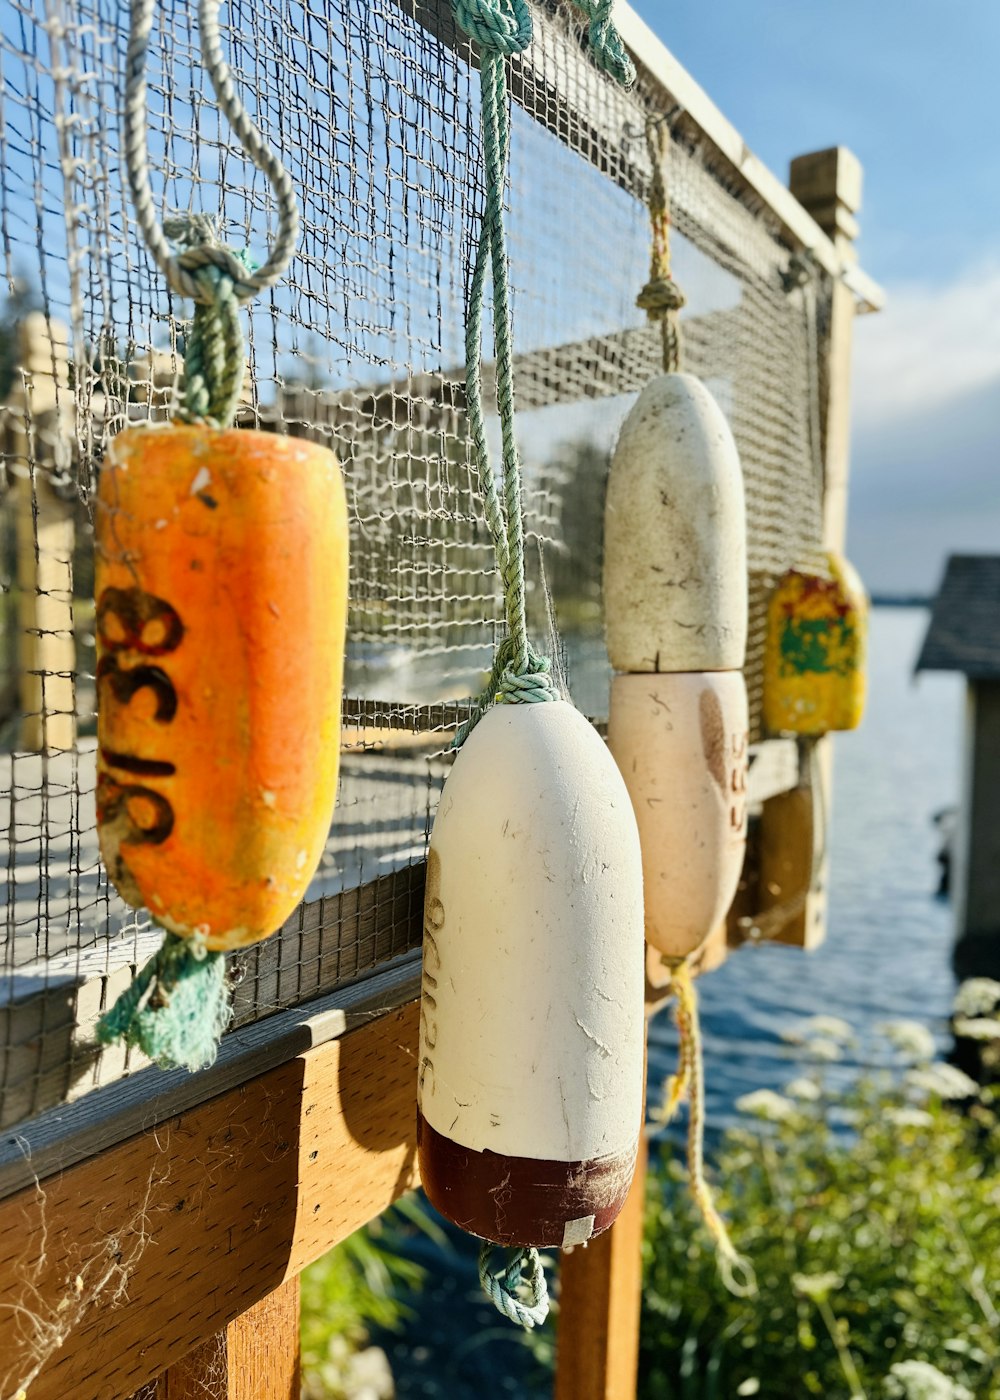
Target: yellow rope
736	1270
661	298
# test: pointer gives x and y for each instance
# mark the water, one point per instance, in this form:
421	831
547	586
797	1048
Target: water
886	956
888	945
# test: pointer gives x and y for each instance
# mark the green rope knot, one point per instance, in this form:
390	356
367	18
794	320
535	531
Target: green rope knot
511	684
522	1272
605	42
501	26
176	1009
214	351
528	686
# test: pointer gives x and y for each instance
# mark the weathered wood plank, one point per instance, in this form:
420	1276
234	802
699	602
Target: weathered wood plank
600	1299
136	1256
64	1136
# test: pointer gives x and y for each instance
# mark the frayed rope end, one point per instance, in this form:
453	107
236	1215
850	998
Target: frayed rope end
177	1008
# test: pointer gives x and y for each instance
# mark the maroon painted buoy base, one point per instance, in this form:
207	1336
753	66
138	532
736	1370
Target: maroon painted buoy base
522	1200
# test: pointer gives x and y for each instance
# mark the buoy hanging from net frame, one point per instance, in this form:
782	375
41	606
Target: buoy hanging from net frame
675	602
530	1071
221	596
815	651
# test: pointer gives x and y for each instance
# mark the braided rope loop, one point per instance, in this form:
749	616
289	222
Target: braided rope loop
518	1290
181	270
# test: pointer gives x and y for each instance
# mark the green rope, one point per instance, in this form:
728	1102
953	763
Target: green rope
176	1008
519	675
214	351
522	1272
503	28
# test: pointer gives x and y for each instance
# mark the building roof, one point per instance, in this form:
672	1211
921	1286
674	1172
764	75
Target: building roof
964	631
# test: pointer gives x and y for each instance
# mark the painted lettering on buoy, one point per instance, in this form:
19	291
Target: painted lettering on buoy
221	586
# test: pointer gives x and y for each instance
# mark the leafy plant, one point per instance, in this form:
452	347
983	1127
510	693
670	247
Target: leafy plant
362	1283
872	1216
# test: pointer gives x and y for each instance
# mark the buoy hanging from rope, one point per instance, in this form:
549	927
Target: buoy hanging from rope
675	605
531	1028
531	1032
221	596
815	653
675	600
675	591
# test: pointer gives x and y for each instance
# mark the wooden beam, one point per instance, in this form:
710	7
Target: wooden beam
600	1300
134	1257
794	826
255	1358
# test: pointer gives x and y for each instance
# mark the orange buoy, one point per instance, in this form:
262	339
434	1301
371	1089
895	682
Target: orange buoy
814	658
221	589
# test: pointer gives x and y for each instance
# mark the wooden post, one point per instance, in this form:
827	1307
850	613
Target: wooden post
255	1358
601	1291
45	534
828	185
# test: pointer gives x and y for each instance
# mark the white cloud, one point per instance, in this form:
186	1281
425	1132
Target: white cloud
932	343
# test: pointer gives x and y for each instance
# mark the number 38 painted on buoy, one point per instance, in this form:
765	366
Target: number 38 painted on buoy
221	586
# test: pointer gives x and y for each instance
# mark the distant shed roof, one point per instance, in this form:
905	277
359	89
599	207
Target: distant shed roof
964	631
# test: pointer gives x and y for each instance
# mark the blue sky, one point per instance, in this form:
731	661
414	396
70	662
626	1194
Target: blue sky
912	88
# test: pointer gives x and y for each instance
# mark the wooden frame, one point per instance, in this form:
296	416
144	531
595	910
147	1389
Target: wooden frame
139	1228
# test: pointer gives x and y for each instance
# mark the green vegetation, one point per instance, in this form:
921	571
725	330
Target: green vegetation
872	1217
361	1284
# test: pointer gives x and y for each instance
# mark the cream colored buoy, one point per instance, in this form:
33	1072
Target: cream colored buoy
531	1027
675	593
681	744
675	573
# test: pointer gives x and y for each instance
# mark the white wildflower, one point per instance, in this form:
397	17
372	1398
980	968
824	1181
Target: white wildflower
751	1386
818	1286
765	1103
824	1048
802	1088
977	997
977	1027
833	1027
919	1380
911	1038
944	1080
908	1116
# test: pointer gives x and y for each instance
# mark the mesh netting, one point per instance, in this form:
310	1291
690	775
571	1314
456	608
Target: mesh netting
374	110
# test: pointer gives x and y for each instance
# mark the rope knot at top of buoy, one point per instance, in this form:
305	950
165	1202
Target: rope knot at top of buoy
659	297
502	26
214	352
528	684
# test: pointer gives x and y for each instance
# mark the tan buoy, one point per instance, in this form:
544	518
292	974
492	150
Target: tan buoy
531	1028
675	591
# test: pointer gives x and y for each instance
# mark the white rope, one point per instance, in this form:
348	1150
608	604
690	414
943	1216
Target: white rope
181	269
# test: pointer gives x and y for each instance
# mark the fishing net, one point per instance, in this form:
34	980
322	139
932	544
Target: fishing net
373	108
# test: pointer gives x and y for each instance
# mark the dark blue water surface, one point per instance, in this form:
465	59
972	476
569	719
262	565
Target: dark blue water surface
886	957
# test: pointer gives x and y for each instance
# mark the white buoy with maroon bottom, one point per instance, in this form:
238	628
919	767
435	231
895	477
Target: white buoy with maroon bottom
531	1025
